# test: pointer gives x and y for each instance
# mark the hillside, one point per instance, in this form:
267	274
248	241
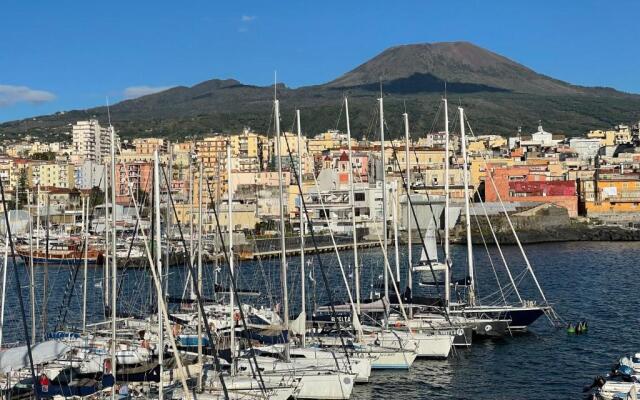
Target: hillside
498	94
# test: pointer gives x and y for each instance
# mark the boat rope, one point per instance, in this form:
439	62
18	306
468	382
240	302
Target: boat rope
323	272
498	246
515	234
256	373
16	278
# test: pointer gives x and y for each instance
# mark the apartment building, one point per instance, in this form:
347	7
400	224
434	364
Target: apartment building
91	141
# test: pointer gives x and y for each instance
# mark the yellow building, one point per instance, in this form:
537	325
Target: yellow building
53	175
479	165
422	158
619	135
249	150
613	195
330	140
149	145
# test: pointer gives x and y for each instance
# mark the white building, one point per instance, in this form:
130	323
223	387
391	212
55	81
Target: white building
89	174
587	149
90	141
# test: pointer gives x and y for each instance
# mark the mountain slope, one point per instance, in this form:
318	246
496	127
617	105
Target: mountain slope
455	63
499	95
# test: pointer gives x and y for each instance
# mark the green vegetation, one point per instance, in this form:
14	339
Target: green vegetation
498	94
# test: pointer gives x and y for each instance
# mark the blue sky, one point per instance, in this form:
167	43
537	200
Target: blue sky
61	55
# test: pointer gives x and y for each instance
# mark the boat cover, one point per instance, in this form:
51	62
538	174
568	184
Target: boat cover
16	358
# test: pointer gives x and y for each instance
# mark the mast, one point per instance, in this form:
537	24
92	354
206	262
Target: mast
169	219
409	217
303	298
232	339
200	316
384	199
114	265
191	195
45	280
394	210
5	262
106	285
85	231
447	259
37	216
158	251
356	263
465	178
283	247
32	283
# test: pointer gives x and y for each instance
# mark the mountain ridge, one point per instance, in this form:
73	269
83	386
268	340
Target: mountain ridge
498	92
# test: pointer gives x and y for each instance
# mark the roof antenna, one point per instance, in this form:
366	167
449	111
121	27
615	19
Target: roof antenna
380	87
445	89
275	84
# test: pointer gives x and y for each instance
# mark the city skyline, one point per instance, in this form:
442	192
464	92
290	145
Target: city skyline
122	56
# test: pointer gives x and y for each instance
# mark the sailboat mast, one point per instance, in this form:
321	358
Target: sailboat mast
465	178
356	263
114	265
283	246
169	217
191	253
85	234
37	216
232	339
106	285
303	292
447	262
5	262
200	316
45	279
32	277
408	194
158	256
394	210
384	198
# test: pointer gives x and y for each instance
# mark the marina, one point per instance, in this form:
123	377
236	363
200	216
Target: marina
319	201
223	344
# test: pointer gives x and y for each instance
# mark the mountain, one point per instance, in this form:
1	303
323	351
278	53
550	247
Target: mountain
498	94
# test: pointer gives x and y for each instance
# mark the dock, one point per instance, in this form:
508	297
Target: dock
248	255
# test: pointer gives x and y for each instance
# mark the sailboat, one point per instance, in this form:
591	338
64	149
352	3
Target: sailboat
518	316
428	265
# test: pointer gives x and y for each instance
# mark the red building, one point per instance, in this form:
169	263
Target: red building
525	183
139	174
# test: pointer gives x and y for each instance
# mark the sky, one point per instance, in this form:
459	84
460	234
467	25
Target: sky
62	55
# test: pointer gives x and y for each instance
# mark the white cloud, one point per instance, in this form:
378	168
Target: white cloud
10	95
138	91
248	18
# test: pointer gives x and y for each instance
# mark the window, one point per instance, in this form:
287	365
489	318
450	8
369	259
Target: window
359	196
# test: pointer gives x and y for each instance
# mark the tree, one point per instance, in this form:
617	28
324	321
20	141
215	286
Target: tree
22	186
44	156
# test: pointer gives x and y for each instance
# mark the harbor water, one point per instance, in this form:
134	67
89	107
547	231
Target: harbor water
593	281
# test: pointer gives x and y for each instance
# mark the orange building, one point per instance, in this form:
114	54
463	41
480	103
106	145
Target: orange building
610	194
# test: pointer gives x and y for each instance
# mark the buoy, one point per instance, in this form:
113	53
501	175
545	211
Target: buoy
571	329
